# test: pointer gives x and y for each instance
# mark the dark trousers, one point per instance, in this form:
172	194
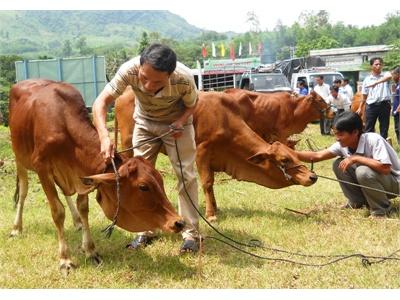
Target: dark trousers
396	118
378	111
325	125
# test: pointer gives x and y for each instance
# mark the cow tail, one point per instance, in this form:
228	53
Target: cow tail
16	193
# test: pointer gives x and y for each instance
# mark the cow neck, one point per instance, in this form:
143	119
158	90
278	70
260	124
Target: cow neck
89	156
300	119
254	143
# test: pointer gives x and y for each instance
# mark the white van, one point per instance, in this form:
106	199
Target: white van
308	75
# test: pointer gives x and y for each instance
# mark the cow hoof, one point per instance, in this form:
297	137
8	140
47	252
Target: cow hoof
66	267
96	259
15	233
78	226
212	218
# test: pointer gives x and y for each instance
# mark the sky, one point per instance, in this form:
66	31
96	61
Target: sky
231	15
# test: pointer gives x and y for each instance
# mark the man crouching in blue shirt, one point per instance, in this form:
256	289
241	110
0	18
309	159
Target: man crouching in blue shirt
364	158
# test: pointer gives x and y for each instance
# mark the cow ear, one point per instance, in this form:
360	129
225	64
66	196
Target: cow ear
259	158
107	178
292	143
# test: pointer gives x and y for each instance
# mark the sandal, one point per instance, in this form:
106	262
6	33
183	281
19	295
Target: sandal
189	246
140	241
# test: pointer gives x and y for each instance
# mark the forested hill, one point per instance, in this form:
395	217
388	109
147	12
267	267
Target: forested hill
36	31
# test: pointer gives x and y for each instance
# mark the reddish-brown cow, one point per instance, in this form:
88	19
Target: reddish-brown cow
52	135
355	105
276	116
226	143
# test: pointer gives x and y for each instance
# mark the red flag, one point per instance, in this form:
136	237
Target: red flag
232	52
204	51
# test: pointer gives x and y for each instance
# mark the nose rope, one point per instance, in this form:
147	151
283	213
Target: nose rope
287	176
109	229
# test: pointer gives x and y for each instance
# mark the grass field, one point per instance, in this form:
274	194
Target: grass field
247	211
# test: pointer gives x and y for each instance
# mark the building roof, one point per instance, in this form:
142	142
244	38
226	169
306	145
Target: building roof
350	50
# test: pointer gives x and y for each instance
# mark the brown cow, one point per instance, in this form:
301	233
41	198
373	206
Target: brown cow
225	143
356	103
52	135
276	116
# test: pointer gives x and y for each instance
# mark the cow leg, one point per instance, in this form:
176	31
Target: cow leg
22	188
58	214
87	241
74	212
207	182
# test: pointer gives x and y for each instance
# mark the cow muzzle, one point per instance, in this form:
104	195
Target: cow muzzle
177	226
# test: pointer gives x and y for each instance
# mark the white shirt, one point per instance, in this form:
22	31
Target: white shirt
372	145
340	102
380	92
322	90
349	91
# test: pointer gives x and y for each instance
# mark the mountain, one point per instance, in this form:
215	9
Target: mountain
40	31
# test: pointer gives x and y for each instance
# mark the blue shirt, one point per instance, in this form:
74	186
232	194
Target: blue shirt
303	91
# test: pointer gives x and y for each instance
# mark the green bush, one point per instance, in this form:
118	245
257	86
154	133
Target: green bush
3	108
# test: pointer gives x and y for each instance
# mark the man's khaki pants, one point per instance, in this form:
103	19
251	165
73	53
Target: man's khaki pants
146	129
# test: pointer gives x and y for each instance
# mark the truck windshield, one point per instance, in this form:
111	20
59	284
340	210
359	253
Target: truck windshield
269	81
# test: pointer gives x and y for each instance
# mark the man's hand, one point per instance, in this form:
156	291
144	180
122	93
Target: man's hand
347	162
177	127
107	148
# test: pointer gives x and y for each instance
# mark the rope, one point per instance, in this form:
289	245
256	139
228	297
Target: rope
110	228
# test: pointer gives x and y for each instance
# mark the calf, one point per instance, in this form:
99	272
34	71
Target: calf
226	143
52	135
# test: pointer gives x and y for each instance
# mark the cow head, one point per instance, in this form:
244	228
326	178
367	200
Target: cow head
285	164
143	202
322	108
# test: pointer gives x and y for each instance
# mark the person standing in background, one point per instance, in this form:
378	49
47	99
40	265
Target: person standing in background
322	89
376	98
395	75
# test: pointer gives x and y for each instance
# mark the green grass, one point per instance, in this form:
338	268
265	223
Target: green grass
247	211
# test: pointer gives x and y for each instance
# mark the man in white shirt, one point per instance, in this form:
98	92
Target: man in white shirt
338	100
364	158
376	99
349	91
322	89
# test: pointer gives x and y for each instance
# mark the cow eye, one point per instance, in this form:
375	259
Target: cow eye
143	187
285	161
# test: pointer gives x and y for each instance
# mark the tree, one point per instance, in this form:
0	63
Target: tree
144	42
115	58
392	58
303	47
67	48
82	46
253	20
7	78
